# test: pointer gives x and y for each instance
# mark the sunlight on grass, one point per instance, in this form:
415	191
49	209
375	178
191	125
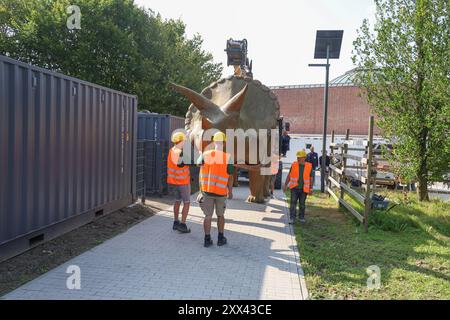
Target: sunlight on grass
410	244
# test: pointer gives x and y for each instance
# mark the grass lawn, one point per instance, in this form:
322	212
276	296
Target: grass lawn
410	244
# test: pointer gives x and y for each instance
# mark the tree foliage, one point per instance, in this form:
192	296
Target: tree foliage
119	45
405	74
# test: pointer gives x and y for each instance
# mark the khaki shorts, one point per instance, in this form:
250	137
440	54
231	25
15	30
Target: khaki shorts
207	204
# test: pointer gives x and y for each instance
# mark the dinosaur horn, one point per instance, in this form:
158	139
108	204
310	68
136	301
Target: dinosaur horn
235	103
206	124
198	100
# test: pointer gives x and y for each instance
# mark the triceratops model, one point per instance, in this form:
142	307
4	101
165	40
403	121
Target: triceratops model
234	103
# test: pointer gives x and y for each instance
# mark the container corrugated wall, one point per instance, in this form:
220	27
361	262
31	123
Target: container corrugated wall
156	130
159	127
67	153
175	123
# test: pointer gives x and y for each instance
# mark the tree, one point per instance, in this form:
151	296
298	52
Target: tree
119	46
405	76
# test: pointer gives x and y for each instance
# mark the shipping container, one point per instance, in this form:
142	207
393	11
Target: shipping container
151	173
67	154
152	167
154	136
158	127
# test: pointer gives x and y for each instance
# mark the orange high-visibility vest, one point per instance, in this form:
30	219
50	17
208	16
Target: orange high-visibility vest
213	173
294	176
175	174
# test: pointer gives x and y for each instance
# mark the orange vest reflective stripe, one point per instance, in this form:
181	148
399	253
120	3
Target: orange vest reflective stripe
175	174
213	173
294	176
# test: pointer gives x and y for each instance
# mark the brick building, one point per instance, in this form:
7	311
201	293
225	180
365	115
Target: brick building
302	107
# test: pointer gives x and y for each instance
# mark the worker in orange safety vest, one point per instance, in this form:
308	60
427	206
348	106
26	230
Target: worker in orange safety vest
216	183
299	181
178	177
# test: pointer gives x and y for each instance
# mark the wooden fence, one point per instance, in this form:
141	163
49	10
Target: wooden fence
339	182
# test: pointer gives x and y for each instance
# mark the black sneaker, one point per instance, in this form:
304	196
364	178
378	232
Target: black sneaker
222	241
208	242
302	220
182	227
175	224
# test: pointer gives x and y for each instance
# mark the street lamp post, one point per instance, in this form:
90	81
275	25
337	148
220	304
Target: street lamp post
328	46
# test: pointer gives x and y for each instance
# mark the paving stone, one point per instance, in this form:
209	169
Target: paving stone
150	261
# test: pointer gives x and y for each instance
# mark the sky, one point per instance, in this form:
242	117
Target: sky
280	34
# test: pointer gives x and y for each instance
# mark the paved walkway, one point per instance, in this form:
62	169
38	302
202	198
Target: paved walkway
150	261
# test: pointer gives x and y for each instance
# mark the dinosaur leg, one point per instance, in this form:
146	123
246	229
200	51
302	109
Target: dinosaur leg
235	179
266	186
256	187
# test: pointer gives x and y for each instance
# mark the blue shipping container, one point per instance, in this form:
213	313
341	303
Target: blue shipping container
158	127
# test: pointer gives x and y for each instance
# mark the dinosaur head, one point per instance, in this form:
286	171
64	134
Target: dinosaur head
237	103
214	116
211	115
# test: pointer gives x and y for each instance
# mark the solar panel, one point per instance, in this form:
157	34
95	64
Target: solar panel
333	38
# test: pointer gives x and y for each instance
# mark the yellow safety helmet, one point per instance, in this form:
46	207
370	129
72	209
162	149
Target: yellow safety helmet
178	137
301	154
219	137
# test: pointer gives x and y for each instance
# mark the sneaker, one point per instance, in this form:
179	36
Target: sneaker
302	220
222	241
208	242
175	224
182	227
291	221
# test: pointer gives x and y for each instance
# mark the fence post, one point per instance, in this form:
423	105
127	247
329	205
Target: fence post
344	151
332	141
331	157
368	195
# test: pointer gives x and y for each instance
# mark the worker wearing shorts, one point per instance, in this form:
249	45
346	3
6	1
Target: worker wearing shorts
216	185
178	177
